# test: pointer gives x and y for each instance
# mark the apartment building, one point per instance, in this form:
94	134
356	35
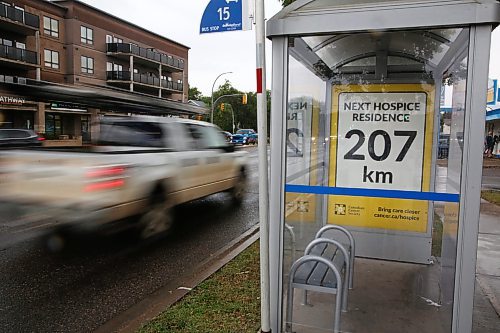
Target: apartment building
71	43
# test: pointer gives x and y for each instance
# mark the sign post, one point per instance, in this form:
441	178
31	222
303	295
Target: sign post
233	15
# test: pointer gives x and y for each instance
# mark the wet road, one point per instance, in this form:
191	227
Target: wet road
99	278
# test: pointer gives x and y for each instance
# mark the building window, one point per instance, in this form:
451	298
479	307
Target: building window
51	59
86	35
50	26
114	67
113	39
53	126
87	65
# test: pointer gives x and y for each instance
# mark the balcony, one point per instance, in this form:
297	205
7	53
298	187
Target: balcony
170	62
170	85
143	79
16	57
17	20
118	76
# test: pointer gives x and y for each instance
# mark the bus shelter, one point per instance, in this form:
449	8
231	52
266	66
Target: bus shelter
356	92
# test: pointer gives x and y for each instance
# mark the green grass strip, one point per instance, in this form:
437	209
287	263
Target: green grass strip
491	196
228	301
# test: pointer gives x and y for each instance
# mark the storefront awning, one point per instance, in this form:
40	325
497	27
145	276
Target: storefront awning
103	98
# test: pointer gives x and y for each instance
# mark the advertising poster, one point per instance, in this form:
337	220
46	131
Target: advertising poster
381	138
301	152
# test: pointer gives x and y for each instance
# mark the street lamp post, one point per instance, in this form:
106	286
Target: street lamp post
213	85
220	97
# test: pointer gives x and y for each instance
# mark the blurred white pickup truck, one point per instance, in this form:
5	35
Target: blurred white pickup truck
141	167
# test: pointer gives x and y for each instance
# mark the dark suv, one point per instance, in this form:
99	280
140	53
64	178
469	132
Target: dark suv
10	137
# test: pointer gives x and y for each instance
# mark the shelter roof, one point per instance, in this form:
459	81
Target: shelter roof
333	16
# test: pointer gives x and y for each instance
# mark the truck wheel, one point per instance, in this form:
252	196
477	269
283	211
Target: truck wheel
158	218
238	191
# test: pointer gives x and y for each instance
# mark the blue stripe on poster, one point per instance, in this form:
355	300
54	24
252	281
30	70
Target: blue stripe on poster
363	192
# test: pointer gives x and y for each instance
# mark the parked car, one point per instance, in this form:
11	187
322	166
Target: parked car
253	139
18	137
242	136
139	169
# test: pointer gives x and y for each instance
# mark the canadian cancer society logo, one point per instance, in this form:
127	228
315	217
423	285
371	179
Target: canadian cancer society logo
340	209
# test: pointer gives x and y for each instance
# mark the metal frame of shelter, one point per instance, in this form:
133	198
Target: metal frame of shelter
334	18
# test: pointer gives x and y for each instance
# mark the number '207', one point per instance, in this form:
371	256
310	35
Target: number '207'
351	154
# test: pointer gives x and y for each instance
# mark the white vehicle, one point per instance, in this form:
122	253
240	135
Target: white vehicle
142	167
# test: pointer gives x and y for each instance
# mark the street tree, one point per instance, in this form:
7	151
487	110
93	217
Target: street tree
194	94
286	2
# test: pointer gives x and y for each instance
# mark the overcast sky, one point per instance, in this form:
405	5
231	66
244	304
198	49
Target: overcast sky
214	53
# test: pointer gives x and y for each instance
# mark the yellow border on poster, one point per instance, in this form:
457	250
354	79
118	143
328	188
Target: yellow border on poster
364	212
302	206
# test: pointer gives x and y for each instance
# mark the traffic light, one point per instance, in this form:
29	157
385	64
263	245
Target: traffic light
244	99
222	107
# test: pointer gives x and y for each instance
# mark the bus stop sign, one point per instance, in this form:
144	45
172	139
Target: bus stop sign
225	15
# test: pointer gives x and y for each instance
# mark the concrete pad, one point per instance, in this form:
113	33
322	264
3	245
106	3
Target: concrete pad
387	297
485	318
490	287
489	223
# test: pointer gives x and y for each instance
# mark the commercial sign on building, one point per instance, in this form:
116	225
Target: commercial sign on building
12	100
491	94
381	139
61	106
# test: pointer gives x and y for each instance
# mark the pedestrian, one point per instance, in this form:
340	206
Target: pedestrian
490	144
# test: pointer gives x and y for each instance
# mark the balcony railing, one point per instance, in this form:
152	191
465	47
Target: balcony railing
144	79
171	85
14	53
20	16
146	53
118	75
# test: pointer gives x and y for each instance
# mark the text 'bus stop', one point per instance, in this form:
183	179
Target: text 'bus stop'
368	232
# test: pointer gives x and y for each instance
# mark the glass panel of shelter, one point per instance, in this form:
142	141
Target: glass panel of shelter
363	122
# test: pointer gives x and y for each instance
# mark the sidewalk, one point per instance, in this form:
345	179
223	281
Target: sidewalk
493	162
487	298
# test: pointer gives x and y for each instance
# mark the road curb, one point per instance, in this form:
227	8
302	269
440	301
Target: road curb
133	318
